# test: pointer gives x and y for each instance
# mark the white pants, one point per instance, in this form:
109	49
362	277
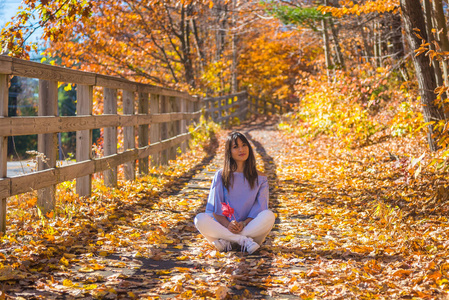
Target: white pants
257	229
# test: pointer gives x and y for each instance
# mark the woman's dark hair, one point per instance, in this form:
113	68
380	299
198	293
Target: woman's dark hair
230	166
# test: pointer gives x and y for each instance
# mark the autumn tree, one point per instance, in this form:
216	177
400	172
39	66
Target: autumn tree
271	61
163	42
171	43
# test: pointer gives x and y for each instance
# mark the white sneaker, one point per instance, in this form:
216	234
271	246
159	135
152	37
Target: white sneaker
249	245
222	245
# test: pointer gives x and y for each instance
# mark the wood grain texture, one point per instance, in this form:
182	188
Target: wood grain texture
3	113
84	105
52	73
164	108
116	83
143	131
155	128
5	192
183	122
5	65
157	90
47	144
129	141
3	148
110	135
173	127
163	145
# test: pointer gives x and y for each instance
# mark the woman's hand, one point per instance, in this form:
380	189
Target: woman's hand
235	227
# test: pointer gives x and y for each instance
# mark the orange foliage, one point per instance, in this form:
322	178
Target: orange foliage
349	8
272	59
168	43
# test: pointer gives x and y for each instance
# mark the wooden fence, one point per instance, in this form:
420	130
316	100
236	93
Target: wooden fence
265	106
169	112
224	109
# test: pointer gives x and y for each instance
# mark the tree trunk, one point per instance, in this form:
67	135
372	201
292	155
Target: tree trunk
397	43
379	42
221	28
375	44
413	18
234	49
441	36
326	45
367	49
428	19
338	52
199	43
189	75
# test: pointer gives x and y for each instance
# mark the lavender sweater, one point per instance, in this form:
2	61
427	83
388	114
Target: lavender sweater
246	202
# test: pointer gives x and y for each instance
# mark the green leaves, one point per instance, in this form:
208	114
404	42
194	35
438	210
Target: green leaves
305	16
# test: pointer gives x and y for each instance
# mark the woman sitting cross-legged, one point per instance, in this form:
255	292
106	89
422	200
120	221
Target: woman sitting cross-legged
237	207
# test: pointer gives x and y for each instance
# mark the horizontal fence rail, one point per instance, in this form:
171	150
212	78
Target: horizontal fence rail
15	126
159	124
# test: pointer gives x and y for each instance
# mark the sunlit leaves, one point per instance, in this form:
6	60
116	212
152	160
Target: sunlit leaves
349	7
268	64
52	16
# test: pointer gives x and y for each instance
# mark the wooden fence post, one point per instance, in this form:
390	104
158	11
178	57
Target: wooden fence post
3	146
243	107
197	106
84	103
213	114
129	137
246	108
173	127
154	128
143	132
250	103
253	103
47	143
228	110
217	113
164	129
110	135
189	108
207	107
220	111
183	123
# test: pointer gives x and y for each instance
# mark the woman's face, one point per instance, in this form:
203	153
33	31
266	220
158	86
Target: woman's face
239	151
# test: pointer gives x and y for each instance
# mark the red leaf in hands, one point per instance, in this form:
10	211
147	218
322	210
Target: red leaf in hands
228	211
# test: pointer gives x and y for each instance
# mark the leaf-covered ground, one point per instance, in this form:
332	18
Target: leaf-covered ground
351	224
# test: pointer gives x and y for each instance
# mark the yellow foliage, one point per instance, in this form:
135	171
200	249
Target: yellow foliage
348	8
